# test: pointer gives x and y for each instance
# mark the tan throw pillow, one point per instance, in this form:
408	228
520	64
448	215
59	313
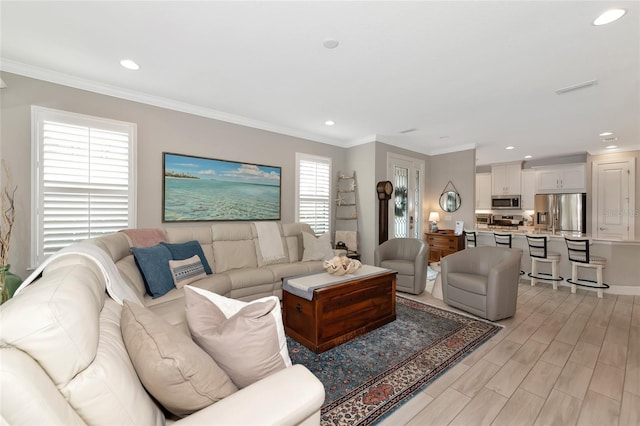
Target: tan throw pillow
316	248
245	345
186	271
179	374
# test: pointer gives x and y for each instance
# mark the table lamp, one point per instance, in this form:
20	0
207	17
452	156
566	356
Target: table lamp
434	217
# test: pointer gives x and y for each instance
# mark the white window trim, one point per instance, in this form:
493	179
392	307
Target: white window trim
38	115
319	159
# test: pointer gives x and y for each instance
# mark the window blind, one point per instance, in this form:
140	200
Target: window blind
314	189
84	176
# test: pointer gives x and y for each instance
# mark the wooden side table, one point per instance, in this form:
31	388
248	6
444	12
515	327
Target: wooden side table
442	243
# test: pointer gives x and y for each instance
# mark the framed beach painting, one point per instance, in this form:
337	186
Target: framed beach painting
207	189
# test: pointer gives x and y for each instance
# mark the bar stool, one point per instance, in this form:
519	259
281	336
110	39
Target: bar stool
504	240
472	240
580	257
539	253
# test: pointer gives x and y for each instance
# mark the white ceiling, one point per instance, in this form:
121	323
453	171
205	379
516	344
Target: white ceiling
464	74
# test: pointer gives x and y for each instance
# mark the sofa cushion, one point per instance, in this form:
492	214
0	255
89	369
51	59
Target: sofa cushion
181	251
186	271
154	265
71	328
234	255
316	248
246	339
180	375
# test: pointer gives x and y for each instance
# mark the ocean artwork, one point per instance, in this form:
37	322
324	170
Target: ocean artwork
203	189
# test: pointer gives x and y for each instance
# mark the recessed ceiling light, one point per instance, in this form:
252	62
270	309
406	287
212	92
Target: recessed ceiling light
609	16
609	140
129	64
330	43
611	146
527	156
606	133
329	122
510	147
578	86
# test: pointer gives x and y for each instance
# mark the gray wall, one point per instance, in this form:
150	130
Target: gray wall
163	130
459	168
158	130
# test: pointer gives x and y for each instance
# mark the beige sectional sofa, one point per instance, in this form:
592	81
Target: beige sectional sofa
233	252
63	359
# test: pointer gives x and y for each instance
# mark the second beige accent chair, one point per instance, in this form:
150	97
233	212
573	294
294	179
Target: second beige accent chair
408	257
482	281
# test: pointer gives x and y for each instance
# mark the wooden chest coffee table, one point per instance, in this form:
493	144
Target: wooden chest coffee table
338	311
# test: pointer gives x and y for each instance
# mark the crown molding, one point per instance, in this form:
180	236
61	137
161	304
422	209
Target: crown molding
56	77
453	149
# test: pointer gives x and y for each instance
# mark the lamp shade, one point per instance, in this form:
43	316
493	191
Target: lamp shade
434	217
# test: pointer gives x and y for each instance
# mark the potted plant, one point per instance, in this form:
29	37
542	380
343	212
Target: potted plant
8	281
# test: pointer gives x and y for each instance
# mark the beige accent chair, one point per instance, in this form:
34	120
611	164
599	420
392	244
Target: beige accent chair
482	281
408	257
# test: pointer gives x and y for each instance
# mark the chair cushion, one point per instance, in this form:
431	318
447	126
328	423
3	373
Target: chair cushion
402	267
553	255
593	260
468	282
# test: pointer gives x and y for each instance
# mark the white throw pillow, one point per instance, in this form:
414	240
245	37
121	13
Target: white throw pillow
229	308
316	248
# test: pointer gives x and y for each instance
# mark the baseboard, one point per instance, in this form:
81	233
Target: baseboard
621	290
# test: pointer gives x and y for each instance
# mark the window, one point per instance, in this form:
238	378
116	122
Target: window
83	179
313	190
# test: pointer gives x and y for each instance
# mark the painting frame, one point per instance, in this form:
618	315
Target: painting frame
201	189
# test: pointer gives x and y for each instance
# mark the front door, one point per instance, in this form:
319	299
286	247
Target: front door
405	213
613	200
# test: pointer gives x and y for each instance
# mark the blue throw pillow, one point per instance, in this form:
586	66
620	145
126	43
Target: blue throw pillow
181	251
153	262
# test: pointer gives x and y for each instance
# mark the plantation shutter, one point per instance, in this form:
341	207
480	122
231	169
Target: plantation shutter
314	188
84	172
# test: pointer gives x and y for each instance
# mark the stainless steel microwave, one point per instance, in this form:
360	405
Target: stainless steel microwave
505	202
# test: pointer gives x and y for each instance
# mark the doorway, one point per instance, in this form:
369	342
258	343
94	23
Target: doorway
613	206
405	208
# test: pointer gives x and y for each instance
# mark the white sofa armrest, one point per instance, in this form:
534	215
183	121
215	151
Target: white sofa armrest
289	397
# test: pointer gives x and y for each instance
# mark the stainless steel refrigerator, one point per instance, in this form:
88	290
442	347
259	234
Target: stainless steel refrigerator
561	212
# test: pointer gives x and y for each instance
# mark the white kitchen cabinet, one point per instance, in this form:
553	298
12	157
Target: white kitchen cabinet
483	191
563	178
506	179
528	192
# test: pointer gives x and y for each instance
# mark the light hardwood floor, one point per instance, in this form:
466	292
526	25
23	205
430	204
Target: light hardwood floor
563	359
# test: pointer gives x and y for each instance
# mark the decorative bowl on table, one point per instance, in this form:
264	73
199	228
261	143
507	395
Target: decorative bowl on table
340	265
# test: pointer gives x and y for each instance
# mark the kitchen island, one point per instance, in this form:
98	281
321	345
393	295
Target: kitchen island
622	272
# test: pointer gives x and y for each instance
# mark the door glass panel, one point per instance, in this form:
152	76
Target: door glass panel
401	199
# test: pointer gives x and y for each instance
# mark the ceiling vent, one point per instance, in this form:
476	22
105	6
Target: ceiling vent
405	131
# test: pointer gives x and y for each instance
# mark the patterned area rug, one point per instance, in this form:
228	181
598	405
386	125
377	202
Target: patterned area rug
367	378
